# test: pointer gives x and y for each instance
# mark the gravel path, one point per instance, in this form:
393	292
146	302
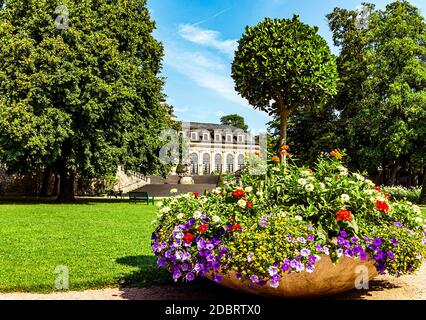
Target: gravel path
381	288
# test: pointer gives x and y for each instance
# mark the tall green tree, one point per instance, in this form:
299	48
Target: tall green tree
80	88
234	120
381	96
282	66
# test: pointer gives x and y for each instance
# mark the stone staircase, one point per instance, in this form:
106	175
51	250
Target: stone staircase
128	183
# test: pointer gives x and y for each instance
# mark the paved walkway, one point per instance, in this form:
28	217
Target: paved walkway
382	288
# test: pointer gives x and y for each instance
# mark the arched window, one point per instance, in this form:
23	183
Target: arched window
194	163
206	163
240	161
218	162
230	163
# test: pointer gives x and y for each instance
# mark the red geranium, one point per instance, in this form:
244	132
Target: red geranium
238	193
382	206
202	228
249	204
344	215
336	177
188	238
195	194
377	189
236	227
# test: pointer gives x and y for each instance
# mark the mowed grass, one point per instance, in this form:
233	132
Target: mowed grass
101	244
423	208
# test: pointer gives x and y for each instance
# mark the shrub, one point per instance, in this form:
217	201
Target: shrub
265	226
400	193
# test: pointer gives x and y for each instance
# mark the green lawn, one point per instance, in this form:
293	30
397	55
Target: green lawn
101	244
423	208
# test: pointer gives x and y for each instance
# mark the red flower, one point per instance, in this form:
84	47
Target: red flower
377	189
344	215
188	238
196	194
336	177
202	228
238	193
382	206
249	204
236	227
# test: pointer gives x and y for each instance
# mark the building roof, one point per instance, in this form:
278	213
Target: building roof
211	126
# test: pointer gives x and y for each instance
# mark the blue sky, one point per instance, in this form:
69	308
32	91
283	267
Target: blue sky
200	37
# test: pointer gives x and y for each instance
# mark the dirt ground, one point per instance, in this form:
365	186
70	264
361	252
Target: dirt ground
382	288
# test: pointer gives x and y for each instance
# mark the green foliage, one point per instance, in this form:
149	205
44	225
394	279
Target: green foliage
381	98
292	214
287	62
400	193
234	120
83	99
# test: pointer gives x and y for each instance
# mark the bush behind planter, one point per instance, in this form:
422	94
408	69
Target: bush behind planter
401	193
263	227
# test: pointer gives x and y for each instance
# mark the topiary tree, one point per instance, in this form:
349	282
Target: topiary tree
283	65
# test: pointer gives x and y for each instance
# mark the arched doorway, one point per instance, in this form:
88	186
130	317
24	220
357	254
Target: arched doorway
240	161
230	163
206	163
218	162
194	163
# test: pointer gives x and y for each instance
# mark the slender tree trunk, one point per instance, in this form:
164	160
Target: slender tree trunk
45	183
283	127
56	185
66	185
395	170
423	192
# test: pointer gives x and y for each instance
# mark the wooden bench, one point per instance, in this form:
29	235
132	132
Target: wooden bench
141	196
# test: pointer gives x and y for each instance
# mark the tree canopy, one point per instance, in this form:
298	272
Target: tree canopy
282	66
234	120
82	99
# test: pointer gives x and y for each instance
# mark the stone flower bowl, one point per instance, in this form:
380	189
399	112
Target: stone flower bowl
326	280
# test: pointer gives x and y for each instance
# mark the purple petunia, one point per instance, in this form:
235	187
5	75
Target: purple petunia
363	255
272	270
354	239
190	276
394	242
217	278
254	279
398	224
390	254
176	274
310	237
263	223
377	242
310	268
305	252
301	240
366	239
312	259
343	234
286	265
318	248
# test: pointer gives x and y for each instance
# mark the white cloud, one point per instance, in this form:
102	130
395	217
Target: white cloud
208	38
207	71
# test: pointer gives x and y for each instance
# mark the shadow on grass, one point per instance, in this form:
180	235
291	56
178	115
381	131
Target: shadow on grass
52	200
152	283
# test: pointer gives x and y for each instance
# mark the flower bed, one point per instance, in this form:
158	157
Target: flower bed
267	229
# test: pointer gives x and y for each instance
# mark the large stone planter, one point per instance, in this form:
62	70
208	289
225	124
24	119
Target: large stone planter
327	279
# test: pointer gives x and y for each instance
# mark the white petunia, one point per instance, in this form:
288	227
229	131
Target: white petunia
248	189
174	190
242	203
159	204
216	219
180	216
165	210
197	214
301	181
345	197
309	187
322	185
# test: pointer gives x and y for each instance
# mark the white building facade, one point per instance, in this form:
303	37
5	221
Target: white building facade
217	148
